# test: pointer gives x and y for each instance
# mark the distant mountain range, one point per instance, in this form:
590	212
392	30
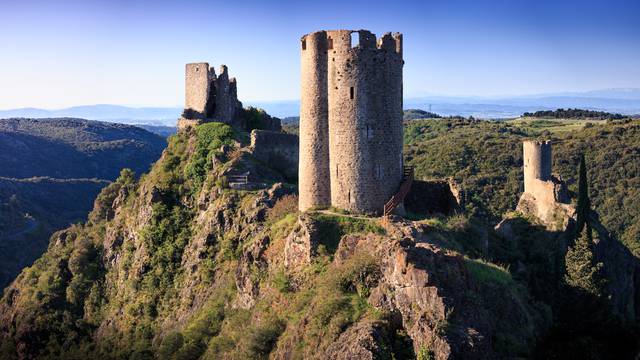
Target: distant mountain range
103	112
624	101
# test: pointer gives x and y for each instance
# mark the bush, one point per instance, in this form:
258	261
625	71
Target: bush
288	204
210	137
488	273
264	338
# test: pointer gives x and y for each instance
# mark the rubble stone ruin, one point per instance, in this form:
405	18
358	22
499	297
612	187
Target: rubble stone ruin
350	120
209	96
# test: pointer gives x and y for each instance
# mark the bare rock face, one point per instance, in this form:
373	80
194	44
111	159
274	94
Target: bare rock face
554	215
364	340
301	244
439	304
248	288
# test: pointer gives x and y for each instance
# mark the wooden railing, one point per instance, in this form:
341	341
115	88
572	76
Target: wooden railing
407	180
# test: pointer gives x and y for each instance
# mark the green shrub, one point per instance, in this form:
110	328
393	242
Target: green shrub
425	353
263	338
281	281
288	204
488	273
210	137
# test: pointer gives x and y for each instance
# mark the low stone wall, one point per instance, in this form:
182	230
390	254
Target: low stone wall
186	123
433	197
278	150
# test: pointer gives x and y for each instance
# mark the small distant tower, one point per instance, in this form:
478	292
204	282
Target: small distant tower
351	114
536	156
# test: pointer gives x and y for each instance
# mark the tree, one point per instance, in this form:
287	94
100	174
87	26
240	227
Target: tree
583	273
584	203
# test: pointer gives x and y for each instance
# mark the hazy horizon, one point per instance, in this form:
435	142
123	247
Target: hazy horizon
74	53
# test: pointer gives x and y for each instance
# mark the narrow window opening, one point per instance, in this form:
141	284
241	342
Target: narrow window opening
355	40
349	196
369	132
337	172
304	44
351	92
329	43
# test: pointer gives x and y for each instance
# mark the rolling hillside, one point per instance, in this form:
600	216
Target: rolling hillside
51	171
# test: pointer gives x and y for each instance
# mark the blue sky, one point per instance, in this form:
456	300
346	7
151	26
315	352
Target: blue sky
61	53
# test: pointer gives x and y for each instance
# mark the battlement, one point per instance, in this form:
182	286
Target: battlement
345	41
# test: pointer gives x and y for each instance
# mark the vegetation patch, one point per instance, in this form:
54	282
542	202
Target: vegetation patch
333	227
488	273
209	138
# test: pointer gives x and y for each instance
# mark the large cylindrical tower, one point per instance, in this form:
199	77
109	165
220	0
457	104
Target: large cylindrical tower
365	119
313	171
536	156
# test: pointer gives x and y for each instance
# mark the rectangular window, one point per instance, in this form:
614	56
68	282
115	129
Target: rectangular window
337	173
329	43
369	132
351	92
304	44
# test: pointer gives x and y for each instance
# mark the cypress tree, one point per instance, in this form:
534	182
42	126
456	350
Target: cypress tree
584	204
583	272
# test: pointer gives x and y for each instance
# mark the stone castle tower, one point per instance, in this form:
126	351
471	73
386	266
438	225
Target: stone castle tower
545	195
536	156
350	120
210	96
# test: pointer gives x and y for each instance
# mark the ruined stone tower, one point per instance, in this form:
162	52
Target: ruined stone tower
209	97
545	196
536	156
350	120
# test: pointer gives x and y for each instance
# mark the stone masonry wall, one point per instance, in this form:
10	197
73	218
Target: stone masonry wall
196	87
365	120
277	149
364	96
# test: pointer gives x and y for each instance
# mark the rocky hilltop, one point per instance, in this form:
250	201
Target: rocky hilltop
188	263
